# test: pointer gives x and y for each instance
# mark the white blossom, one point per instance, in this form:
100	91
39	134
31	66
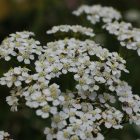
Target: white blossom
73	28
20	45
79	113
97	12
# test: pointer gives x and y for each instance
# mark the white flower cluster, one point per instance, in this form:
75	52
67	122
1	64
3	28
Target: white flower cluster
84	110
4	136
82	120
97	13
73	28
20	45
73	55
90	108
45	99
126	34
130	102
15	77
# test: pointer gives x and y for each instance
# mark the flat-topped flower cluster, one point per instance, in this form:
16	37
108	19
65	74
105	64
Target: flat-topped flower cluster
111	19
100	99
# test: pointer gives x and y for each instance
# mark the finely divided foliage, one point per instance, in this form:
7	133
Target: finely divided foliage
90	109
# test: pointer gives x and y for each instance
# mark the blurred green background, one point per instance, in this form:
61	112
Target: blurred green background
39	16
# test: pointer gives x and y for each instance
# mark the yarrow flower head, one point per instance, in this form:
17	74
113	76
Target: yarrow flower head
89	107
22	46
111	18
97	12
73	28
126	34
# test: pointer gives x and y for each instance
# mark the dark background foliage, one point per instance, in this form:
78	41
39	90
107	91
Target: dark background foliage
38	16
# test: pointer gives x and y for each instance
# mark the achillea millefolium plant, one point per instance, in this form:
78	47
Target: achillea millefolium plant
99	99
